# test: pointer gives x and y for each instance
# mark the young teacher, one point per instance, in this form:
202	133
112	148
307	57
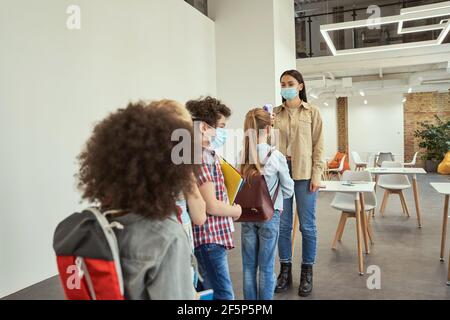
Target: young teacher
301	141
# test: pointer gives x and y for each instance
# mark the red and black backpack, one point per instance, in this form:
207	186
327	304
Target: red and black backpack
88	258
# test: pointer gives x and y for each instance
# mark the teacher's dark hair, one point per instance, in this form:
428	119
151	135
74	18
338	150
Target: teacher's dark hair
298	76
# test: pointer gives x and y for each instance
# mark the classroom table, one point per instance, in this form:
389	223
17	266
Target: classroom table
358	188
444	188
409	172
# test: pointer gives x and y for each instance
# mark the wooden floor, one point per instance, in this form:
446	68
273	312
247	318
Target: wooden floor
407	256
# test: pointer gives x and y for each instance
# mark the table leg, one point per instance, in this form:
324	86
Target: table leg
444	227
375	189
358	234
364	222
369	228
448	275
416	200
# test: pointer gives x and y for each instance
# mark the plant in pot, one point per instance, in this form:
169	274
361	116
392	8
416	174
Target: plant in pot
435	139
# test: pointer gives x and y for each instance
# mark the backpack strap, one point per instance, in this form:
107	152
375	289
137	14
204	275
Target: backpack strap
268	155
274	198
83	271
275	195
107	228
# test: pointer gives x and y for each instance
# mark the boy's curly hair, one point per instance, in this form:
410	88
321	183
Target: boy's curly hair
208	109
127	163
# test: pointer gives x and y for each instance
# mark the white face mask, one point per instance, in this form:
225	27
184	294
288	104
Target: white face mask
219	139
289	93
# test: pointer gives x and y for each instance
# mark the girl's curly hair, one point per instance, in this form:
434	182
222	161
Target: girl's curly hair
127	162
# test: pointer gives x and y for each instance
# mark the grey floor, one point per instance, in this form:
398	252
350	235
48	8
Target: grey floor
407	256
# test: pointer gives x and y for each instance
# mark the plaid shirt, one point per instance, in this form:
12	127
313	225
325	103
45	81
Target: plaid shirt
216	229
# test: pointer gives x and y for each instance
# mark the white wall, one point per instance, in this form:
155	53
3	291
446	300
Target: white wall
329	119
245	54
377	126
255	42
55	84
284	41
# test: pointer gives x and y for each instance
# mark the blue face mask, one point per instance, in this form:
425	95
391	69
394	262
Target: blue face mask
289	93
220	138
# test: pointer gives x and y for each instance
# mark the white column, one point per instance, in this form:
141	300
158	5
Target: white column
255	43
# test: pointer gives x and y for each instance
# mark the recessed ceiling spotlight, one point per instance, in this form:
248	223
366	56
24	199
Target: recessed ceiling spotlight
365	101
404	100
326	104
312	95
362	93
409	90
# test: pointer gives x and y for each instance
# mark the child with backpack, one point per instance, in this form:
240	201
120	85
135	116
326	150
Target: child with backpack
191	206
214	237
259	239
131	246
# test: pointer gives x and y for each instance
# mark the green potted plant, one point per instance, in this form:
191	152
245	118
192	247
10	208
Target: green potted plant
435	139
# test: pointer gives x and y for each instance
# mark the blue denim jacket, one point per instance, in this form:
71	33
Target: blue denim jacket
276	170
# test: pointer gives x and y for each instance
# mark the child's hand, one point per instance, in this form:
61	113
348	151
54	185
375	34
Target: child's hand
237	206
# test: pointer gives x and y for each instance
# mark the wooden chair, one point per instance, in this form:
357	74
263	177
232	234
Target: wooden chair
413	161
384	156
393	184
359	164
345	203
335	171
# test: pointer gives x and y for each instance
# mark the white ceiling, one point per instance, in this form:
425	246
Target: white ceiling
422	69
400	71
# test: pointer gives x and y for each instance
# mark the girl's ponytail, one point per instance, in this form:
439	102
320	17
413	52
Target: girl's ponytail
255	120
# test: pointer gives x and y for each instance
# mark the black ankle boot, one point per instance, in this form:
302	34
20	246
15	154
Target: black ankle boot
284	280
306	280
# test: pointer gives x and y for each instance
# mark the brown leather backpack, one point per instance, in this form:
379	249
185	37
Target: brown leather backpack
255	200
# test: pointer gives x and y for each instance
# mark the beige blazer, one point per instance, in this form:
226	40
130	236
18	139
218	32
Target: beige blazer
305	137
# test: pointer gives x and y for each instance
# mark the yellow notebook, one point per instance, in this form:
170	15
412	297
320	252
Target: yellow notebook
233	179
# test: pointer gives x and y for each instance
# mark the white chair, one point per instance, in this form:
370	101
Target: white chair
324	172
384	156
372	158
345	202
337	171
393	183
413	161
359	164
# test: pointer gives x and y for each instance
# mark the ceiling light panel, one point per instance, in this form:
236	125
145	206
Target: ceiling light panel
408	14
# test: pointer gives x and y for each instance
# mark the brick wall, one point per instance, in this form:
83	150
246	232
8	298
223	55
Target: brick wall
422	106
342	124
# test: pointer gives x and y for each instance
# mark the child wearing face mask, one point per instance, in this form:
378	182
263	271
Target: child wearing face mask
219	139
214	237
259	239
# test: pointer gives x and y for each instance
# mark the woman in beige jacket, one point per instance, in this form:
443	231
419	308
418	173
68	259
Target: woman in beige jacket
300	136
